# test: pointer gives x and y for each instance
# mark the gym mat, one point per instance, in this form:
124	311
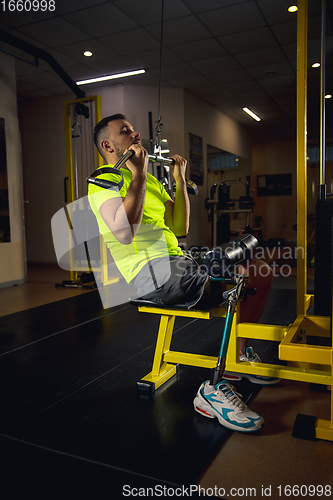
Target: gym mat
70	408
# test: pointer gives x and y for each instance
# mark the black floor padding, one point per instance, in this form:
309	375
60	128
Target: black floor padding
69	405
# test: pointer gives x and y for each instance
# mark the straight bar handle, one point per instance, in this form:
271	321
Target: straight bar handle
161	159
154	158
124	159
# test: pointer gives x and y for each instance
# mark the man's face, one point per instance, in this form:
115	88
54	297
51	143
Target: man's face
121	136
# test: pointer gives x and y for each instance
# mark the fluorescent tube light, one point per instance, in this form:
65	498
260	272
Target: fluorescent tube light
249	112
111	77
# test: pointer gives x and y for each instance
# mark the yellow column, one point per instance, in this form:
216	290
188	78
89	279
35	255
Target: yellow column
69	152
302	34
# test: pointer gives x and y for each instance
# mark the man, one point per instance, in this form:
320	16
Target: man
140	225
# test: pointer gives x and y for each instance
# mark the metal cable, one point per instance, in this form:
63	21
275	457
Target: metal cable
159	124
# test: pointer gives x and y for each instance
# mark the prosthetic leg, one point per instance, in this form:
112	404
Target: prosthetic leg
216	398
232	296
221	264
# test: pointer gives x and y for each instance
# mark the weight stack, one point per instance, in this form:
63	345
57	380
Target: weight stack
323	258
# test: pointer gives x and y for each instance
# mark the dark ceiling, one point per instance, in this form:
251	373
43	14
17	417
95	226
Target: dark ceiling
231	53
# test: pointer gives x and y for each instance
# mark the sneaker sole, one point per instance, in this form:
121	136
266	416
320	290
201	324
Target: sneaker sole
208	412
233	377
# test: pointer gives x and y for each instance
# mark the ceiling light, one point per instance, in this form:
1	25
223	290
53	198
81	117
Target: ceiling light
315	65
111	77
293	8
328	96
164	140
249	112
87	53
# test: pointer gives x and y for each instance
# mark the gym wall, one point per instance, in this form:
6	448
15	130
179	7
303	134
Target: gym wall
44	165
12	268
42	130
275	158
172	113
44	169
220	131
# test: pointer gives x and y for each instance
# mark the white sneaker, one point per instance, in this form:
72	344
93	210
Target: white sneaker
253	357
225	404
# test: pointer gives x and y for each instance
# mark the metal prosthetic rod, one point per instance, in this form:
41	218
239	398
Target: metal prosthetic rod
221	263
232	296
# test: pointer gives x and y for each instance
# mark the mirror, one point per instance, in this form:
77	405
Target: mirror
223	166
218	159
229	190
4	204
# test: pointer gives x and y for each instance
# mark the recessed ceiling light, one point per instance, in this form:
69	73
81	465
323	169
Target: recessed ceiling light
111	77
315	65
328	96
254	116
293	8
87	53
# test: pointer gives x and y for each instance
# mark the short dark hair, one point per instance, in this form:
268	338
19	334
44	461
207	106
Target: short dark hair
101	126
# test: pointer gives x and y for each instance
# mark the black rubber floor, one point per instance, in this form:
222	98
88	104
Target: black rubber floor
71	420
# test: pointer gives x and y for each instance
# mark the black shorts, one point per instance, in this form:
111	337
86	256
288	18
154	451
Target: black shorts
178	280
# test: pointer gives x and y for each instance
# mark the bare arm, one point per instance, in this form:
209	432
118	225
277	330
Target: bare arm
123	216
177	213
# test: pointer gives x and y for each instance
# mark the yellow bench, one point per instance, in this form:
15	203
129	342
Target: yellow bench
166	361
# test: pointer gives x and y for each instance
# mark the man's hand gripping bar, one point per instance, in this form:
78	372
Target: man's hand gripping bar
191	186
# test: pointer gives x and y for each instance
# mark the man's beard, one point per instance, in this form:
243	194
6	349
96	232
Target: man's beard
119	152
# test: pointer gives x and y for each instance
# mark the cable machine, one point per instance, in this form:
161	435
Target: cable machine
307	343
80	116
